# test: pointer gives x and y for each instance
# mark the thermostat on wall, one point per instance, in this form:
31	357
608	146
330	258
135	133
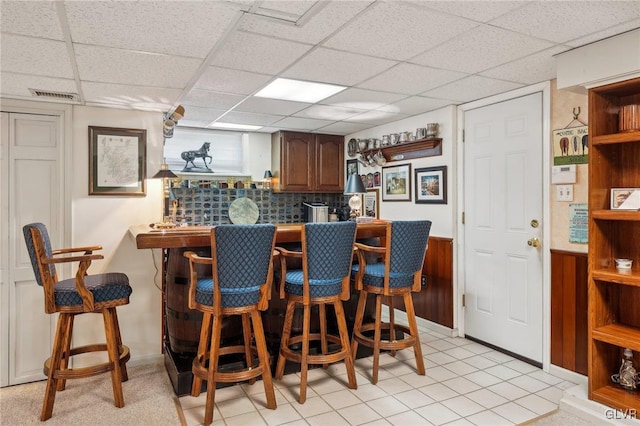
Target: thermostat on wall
564	174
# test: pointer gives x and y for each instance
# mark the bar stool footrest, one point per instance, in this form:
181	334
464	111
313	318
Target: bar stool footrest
240	375
93	370
389	345
329	358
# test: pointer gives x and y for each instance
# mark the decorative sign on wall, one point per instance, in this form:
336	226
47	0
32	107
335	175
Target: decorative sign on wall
571	146
578	223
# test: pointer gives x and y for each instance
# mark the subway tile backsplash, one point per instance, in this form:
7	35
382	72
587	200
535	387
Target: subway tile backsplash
210	206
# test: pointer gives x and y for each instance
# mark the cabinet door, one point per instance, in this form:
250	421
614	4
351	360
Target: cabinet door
329	163
297	162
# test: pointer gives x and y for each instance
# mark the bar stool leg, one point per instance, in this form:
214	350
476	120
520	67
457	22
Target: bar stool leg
66	354
413	328
323	331
246	332
123	365
344	337
263	356
376	339
203	348
357	326
304	361
392	324
286	334
212	369
54	365
114	355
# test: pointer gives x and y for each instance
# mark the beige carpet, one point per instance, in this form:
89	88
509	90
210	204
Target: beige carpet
148	397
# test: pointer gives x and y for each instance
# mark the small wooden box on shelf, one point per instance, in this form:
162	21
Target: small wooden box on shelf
614	295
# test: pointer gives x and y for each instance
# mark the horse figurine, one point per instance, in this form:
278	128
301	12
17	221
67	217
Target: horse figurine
203	153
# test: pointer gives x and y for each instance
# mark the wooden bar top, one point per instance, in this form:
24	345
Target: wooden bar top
200	236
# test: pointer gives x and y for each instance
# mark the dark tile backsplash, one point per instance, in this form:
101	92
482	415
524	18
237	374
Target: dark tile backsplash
210	206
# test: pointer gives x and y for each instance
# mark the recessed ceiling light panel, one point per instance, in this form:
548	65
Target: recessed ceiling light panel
298	90
234	126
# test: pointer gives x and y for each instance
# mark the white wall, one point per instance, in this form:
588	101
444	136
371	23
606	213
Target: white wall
442	215
105	220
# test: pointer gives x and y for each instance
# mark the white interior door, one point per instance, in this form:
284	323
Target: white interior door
32	190
503	206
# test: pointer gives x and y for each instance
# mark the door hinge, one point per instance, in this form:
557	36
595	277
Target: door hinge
463	218
464	301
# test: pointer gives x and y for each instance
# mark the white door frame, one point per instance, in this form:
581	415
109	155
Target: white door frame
64	113
545	88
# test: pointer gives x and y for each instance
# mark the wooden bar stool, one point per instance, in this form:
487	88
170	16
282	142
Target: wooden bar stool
241	262
398	273
327	251
100	293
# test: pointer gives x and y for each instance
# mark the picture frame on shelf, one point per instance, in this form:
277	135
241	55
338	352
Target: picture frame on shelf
371	203
625	198
396	183
431	185
117	161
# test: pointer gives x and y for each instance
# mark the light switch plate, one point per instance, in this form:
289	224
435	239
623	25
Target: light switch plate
564	192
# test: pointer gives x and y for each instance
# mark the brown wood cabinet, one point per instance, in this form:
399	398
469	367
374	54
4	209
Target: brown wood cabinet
614	296
307	162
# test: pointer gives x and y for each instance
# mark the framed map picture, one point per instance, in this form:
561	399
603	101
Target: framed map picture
117	161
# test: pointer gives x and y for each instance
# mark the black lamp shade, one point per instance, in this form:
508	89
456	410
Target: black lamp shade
354	185
267	174
164	172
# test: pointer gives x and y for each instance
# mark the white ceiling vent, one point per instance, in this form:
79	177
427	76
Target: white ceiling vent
55	95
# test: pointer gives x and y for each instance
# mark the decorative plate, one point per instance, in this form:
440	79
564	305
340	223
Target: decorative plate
243	211
352	147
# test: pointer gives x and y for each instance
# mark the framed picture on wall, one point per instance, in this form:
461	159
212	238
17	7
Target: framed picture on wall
431	185
117	161
396	183
352	167
371	204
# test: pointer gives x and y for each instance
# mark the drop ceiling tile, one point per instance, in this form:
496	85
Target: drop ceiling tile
482	11
176	28
270	106
206	99
609	32
530	69
12	84
195	113
250	118
332	66
108	65
327	112
331	17
301	123
362	99
385	29
488	46
251	52
415	105
561	21
224	80
471	88
139	97
34	19
411	79
35	56
376	117
344	128
287	8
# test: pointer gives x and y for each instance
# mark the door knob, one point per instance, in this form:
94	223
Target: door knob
534	242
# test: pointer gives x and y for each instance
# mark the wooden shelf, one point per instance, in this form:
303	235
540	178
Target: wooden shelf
408	150
616	397
624	137
613	275
624	215
620	335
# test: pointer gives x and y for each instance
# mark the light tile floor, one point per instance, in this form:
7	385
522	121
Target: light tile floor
466	384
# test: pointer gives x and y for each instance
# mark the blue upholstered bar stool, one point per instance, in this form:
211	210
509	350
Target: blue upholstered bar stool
327	251
241	263
397	272
99	293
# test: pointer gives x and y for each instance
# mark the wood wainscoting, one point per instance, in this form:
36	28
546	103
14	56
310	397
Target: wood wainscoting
569	328
435	301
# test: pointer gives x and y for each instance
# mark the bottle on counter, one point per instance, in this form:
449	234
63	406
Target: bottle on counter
333	216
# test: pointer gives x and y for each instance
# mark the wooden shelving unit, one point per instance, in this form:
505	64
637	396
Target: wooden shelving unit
408	150
614	296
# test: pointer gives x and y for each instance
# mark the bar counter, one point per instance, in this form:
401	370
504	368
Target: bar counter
181	325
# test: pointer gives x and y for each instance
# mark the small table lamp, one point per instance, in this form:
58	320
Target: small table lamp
266	184
354	187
